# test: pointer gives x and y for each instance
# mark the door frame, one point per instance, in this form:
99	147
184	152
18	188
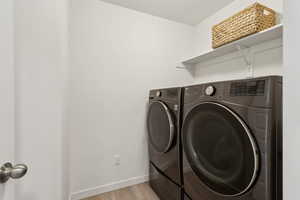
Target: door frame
7	91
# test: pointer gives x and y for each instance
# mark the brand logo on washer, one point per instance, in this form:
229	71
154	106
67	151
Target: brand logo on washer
210	90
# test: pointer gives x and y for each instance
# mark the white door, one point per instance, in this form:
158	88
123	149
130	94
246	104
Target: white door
6	92
7	101
33	34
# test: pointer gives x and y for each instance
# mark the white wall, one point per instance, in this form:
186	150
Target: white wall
117	55
291	136
41	73
267	57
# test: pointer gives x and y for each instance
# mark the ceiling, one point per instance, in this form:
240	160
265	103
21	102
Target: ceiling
185	11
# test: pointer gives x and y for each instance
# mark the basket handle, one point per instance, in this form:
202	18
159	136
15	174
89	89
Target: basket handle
267	11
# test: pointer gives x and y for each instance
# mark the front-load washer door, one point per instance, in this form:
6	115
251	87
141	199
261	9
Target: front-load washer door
161	127
220	149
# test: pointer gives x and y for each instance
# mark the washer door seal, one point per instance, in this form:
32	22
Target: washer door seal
161	128
220	149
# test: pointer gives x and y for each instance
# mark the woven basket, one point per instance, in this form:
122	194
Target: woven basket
248	21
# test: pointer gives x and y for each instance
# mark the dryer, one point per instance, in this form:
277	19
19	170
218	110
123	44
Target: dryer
163	124
232	140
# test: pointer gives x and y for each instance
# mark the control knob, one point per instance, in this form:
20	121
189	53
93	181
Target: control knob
210	90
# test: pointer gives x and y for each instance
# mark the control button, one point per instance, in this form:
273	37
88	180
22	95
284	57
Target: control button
210	90
158	93
176	107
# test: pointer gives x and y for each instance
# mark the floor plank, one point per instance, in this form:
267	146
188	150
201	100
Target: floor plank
136	192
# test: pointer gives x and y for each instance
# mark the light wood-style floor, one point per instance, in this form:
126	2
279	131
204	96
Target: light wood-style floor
137	192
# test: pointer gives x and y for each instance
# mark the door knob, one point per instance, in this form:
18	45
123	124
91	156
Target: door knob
8	171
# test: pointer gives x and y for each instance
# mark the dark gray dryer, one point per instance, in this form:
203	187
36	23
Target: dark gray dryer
232	140
163	123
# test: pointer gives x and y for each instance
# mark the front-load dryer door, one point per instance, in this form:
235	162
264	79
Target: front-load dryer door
220	149
161	127
162	137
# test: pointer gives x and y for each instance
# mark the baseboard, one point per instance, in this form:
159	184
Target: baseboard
108	187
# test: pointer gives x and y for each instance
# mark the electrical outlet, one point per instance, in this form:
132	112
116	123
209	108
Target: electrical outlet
117	160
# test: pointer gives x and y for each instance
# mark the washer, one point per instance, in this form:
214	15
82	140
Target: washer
232	140
163	123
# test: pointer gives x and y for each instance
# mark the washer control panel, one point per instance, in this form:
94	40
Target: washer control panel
210	90
248	88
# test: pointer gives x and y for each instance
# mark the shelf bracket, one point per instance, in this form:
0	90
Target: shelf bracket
188	67
247	55
180	67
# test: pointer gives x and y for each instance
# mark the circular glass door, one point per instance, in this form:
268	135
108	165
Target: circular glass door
161	128
220	149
